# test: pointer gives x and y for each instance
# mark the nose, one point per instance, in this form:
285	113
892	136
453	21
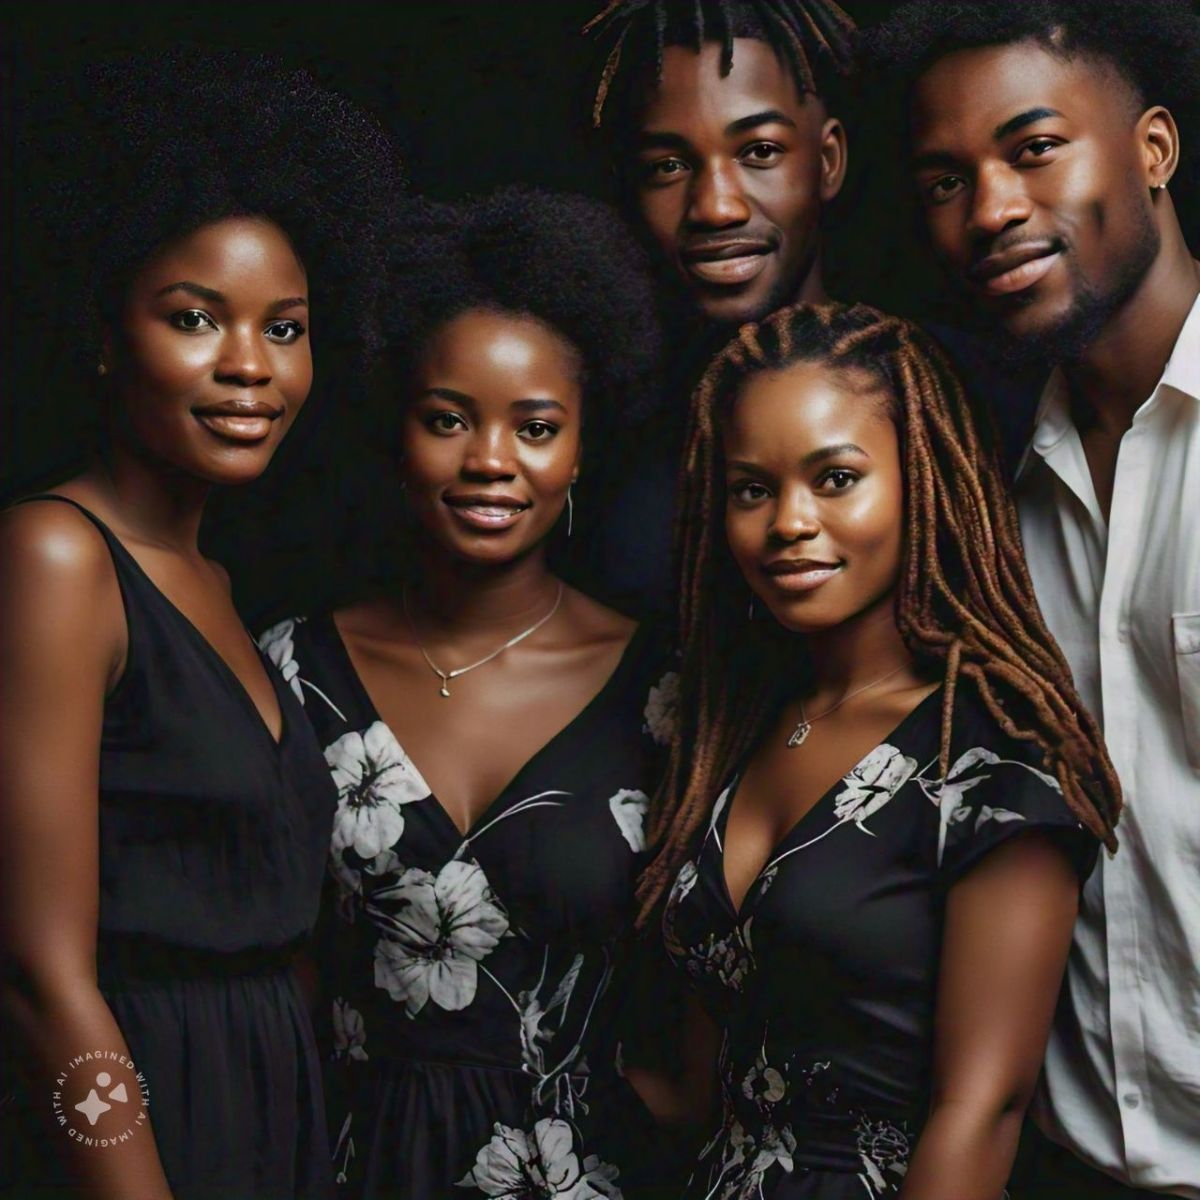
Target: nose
488	455
716	199
999	202
243	358
795	518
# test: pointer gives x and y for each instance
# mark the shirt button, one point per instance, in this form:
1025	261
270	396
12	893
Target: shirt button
1132	1099
1123	630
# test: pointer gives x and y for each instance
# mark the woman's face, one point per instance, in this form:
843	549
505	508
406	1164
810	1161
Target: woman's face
491	436
814	507
210	358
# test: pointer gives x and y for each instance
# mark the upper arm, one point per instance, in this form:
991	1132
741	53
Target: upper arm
1006	937
62	643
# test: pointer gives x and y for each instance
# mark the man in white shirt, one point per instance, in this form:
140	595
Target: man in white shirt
1045	141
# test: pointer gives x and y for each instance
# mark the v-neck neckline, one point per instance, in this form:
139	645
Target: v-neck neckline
492	809
206	647
722	822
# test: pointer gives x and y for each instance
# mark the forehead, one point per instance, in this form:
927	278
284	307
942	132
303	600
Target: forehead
693	94
500	344
239	251
969	94
787	413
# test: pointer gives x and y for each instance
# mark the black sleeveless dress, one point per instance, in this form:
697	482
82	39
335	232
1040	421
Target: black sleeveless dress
477	982
212	844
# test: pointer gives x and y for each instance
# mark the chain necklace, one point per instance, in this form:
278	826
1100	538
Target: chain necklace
804	728
446	676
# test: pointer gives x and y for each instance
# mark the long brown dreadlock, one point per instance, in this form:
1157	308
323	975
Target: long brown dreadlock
806	32
965	605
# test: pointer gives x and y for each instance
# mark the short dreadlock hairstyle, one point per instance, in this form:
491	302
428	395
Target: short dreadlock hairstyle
565	260
814	37
965	605
147	150
1154	46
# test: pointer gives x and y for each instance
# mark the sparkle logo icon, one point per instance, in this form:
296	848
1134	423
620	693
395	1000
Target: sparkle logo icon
93	1107
101	1099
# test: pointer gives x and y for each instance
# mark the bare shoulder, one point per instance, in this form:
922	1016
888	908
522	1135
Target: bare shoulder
52	544
596	622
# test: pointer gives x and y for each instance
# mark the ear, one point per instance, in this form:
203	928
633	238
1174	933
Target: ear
1158	138
833	158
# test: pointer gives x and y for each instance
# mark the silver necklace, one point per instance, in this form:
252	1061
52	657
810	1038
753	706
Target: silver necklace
446	676
806	723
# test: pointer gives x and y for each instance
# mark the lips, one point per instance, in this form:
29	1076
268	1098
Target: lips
727	264
239	421
801	574
1014	269
485	511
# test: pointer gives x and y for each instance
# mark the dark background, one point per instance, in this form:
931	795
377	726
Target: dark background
477	94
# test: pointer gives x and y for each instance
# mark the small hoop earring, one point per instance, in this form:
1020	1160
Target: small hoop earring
750	609
570	509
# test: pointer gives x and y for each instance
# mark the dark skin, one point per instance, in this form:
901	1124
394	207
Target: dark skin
490	443
209	363
814	519
1053	173
730	174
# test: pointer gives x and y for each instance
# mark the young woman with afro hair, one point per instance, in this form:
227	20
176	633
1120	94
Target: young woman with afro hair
491	729
164	808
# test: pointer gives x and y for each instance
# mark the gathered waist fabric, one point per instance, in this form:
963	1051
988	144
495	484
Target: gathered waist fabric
129	958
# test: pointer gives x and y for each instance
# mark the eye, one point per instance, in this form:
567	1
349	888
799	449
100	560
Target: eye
1037	147
762	154
538	431
663	170
944	188
838	479
192	320
446	422
284	332
747	492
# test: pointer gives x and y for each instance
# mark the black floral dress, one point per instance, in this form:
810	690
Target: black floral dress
477	981
823	983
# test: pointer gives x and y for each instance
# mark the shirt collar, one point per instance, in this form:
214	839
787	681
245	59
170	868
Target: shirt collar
1053	421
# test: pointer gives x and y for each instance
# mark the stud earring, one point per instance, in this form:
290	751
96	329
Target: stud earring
101	369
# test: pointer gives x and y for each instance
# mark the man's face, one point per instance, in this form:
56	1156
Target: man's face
730	173
1033	176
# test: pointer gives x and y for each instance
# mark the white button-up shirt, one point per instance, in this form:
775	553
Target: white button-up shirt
1122	596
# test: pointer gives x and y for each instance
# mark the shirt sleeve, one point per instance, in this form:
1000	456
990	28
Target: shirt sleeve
987	798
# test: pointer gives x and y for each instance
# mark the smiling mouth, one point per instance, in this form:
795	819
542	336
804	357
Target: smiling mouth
1009	272
242	423
800	576
482	512
729	265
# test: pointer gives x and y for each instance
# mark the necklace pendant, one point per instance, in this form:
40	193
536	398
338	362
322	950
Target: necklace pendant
799	734
444	690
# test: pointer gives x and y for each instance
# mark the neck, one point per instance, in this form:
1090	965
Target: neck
454	597
812	286
152	502
860	650
1120	369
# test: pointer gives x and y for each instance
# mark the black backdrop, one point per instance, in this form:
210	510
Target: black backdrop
477	93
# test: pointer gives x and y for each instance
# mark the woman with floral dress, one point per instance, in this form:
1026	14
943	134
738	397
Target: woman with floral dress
883	794
492	734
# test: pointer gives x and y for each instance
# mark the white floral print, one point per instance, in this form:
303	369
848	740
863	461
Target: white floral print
374	779
628	808
747	1158
541	1165
435	931
278	646
349	1036
882	1147
662	708
872	783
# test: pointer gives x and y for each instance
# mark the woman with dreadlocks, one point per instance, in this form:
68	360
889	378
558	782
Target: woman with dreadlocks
883	793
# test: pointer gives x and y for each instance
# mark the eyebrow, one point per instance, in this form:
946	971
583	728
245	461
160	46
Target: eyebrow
1028	117
445	393
650	138
214	297
539	405
827	452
